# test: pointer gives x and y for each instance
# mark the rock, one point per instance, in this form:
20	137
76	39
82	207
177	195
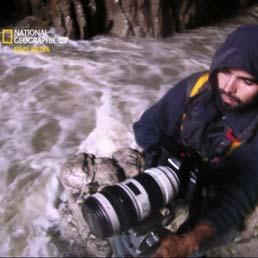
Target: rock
79	19
131	161
84	174
31	22
107	172
74	229
116	20
64	17
77	172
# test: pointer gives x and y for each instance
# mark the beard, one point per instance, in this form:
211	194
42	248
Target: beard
239	105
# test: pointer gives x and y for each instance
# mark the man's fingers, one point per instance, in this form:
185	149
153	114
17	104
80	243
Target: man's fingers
169	241
162	252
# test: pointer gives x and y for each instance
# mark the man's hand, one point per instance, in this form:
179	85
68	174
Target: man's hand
177	246
186	244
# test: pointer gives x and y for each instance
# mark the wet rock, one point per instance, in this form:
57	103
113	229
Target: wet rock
69	19
131	161
84	174
79	176
74	230
107	172
80	19
140	18
77	172
31	22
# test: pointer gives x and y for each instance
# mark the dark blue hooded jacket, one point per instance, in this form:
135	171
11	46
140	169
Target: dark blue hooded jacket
238	193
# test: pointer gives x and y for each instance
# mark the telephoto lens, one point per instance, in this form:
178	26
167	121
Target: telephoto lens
117	208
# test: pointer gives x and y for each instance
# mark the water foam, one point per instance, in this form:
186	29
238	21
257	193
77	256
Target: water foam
106	137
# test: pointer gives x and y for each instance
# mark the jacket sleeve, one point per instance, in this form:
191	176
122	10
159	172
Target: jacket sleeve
163	118
238	197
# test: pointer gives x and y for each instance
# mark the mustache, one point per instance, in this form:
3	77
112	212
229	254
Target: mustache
234	98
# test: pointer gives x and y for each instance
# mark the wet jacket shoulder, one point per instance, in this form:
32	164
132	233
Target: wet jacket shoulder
163	119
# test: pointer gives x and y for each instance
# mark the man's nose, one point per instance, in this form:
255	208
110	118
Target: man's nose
231	85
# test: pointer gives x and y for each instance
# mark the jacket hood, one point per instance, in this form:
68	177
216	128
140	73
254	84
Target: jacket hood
240	50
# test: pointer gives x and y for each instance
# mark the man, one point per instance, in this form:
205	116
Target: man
214	113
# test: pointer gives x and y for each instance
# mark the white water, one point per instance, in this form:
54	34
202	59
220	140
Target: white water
82	97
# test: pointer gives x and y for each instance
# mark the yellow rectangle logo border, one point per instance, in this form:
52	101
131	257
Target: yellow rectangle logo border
7	40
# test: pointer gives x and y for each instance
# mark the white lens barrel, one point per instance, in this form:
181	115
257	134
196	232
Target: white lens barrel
167	180
158	185
173	177
140	199
111	213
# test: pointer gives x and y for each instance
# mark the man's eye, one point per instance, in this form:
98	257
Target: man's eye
248	82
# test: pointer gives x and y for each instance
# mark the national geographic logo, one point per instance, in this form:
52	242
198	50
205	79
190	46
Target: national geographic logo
7	36
31	40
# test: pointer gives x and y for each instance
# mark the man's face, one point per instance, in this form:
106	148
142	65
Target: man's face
237	88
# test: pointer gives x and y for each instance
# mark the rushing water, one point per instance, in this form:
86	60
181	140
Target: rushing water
82	97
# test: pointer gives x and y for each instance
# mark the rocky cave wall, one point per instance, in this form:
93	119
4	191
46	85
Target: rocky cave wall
83	19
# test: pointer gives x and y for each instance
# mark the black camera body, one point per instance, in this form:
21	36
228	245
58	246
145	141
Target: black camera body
142	239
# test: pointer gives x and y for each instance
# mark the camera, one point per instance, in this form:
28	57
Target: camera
118	207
